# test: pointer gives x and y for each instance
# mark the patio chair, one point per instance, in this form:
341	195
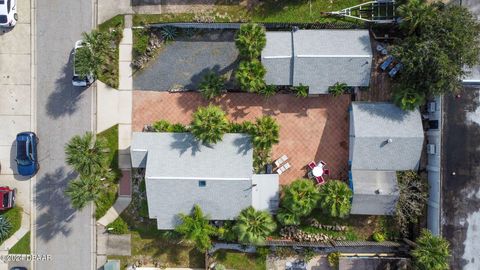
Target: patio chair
395	70
386	63
326	172
323	163
312	165
286	166
320	180
279	161
279	171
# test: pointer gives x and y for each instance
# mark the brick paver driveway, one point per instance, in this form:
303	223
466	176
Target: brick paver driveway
314	128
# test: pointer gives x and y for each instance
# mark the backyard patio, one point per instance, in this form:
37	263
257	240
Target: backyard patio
311	129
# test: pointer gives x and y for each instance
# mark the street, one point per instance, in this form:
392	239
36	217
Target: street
62	112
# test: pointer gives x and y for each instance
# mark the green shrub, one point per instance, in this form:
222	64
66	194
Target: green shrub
333	259
165	126
140	41
250	76
118	226
268	91
250	40
378	237
308	255
212	85
338	89
220	266
168	33
408	99
301	90
5	227
143	210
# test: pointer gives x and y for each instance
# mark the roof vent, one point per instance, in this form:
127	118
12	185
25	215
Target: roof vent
377	191
389	140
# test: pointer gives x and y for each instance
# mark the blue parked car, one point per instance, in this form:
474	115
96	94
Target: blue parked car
27	163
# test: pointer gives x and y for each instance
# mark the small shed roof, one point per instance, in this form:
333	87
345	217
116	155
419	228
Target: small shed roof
375	192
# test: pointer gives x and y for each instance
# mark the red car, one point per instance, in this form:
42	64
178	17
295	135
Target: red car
7	198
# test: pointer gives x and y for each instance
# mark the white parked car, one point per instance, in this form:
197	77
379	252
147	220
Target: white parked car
8	13
78	80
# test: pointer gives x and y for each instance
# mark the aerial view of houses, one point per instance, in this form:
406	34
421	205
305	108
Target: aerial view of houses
240	134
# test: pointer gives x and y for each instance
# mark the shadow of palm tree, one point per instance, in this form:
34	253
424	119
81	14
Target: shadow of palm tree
53	207
66	97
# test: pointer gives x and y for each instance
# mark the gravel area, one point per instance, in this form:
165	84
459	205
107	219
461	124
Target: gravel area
183	62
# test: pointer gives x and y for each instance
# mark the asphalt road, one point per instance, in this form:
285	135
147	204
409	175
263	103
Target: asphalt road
62	112
461	178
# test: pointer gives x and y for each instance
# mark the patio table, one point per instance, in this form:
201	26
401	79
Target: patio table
317	171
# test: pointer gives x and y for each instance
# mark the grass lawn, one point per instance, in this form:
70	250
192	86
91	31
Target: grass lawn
14	215
109	73
240	261
22	246
302	11
110	188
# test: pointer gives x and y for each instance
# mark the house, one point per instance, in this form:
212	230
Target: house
180	172
383	139
318	58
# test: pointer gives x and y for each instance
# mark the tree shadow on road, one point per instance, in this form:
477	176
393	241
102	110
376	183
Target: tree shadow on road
64	100
54	211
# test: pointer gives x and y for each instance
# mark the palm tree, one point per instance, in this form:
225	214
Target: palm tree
212	85
335	198
266	132
299	199
209	124
5	227
250	75
89	58
83	190
86	154
250	40
196	229
432	252
414	13
337	89
408	99
252	227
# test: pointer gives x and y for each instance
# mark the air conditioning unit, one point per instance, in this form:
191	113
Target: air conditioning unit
431	149
432	107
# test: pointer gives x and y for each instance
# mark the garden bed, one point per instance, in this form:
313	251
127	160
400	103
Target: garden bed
109	193
109	71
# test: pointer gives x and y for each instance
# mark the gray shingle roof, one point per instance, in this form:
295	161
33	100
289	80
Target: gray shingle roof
321	58
180	155
220	199
375	192
373	125
176	163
